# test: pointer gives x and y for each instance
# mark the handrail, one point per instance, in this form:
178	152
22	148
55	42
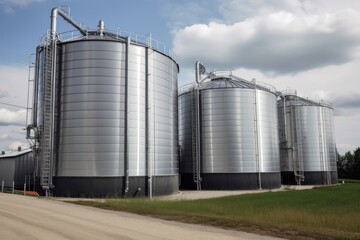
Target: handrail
305	101
186	88
117	35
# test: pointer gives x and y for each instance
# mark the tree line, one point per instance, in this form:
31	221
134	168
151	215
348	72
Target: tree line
348	165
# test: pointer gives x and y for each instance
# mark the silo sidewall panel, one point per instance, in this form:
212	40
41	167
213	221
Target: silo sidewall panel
268	132
136	111
163	120
185	132
310	124
229	134
91	137
228	138
330	138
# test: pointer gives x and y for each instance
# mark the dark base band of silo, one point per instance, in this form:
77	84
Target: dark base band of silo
311	178
113	186
232	181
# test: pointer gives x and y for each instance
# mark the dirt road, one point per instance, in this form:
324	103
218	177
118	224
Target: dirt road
34	218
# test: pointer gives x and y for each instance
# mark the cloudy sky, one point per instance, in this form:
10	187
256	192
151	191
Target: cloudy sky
312	46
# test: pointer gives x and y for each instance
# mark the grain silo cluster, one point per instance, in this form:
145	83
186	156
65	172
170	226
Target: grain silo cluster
108	120
239	134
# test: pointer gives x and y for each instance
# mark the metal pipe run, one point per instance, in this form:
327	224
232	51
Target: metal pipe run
199	69
284	114
126	172
57	11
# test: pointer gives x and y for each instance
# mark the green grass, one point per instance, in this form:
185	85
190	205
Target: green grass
320	213
349	180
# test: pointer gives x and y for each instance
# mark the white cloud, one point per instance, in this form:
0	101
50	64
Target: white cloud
238	10
280	42
14	82
14	145
8	117
232	11
179	14
346	131
3	93
4	136
10	134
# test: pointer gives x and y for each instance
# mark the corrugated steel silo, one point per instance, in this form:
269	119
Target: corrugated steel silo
307	142
231	125
113	121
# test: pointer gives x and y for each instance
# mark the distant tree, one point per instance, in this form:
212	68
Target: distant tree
349	165
341	168
355	169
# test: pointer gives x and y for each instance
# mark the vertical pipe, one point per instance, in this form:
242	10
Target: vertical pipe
13	187
126	168
147	154
2	186
198	138
36	85
34	181
256	135
35	99
199	69
284	113
54	13
28	91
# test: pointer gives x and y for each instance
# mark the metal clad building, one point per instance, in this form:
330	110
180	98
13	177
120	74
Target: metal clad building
18	167
308	152
238	134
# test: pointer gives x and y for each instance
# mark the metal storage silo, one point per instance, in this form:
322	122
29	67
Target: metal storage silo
228	134
106	121
307	142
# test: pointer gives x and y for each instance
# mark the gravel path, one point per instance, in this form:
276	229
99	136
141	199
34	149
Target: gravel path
192	195
30	218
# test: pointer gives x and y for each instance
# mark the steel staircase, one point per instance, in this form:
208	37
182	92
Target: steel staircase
48	126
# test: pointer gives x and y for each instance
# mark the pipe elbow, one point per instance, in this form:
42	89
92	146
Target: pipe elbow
54	11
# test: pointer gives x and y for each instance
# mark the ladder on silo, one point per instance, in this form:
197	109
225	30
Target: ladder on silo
196	138
47	131
299	164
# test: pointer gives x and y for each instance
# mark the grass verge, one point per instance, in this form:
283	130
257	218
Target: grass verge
320	213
